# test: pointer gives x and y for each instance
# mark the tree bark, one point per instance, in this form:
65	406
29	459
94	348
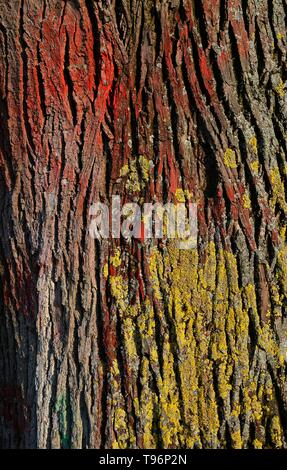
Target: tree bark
129	344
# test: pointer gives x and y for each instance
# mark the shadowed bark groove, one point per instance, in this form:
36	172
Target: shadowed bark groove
125	344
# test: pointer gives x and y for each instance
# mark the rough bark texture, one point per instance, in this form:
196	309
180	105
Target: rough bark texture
130	344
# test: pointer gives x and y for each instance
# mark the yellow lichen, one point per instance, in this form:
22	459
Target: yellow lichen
253	144
124	170
136	173
182	195
278	190
236	439
246	201
281	88
257	444
129	341
268	342
144	165
119	418
147	406
119	290
254	167
116	260
155	267
199	306
106	270
230	158
276	431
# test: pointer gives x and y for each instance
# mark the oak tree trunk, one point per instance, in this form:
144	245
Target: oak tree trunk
125	344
